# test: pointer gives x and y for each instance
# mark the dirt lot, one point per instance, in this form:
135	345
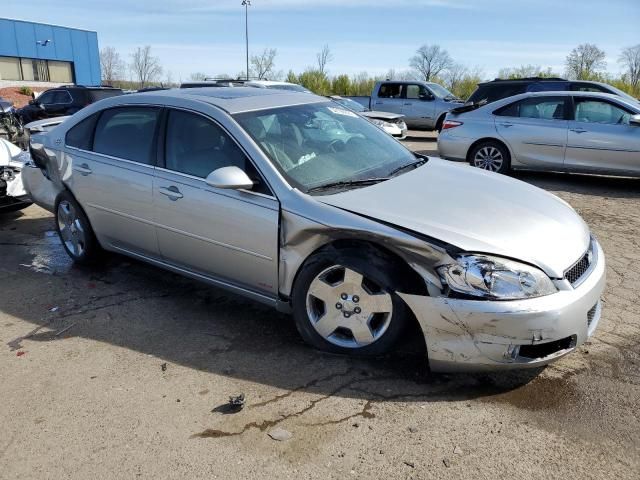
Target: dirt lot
118	372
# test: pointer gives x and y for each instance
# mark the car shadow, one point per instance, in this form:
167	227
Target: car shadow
136	306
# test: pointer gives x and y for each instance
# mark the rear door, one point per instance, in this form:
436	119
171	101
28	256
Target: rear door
419	106
57	104
389	98
536	130
601	137
227	235
112	175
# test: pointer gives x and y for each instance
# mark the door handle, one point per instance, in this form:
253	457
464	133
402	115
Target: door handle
83	169
578	130
506	125
172	192
408	103
378	103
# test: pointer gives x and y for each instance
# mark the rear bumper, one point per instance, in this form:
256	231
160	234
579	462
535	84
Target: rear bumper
469	335
452	147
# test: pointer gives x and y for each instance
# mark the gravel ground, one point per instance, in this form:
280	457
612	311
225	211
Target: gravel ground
123	372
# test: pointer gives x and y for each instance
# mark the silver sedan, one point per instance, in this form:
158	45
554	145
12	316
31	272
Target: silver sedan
581	132
297	202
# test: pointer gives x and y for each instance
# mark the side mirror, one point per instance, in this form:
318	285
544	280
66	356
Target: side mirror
635	120
230	178
426	97
32	102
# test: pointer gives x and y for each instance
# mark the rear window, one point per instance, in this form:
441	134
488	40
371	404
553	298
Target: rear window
127	132
95	95
494	92
81	135
390	90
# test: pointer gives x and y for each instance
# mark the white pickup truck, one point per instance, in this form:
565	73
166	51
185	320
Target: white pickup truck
423	104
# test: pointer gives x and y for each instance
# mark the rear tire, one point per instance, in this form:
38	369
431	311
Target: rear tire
345	302
492	156
75	231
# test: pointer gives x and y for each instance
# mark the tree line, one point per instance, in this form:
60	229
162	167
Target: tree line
429	63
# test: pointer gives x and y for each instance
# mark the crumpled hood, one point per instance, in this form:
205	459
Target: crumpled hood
382	115
476	211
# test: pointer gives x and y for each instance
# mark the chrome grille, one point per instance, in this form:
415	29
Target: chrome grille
577	271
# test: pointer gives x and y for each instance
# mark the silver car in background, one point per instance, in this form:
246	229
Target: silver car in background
583	132
294	201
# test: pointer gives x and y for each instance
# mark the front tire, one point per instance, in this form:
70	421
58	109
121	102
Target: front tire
345	302
491	156
75	231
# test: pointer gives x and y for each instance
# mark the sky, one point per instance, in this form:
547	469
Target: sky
363	35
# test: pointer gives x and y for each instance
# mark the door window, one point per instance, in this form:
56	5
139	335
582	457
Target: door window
390	90
598	111
546	108
415	92
46	98
197	146
127	132
61	97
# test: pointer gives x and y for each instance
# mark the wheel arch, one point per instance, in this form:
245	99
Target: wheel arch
411	281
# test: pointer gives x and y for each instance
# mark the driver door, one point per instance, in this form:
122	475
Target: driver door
601	137
419	106
227	235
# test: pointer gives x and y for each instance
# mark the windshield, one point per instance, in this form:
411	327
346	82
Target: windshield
292	87
624	95
440	91
323	143
350	104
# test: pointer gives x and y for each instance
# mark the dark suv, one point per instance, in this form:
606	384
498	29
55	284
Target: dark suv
498	89
66	100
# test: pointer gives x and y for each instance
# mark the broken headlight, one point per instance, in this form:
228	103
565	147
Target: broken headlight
381	123
495	278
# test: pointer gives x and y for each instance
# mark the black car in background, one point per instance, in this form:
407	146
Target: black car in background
498	89
65	100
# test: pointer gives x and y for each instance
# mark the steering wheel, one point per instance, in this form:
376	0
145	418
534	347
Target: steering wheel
333	145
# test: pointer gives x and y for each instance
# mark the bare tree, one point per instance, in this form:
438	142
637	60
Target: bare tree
324	57
145	67
197	76
262	65
526	71
630	59
585	62
430	60
111	64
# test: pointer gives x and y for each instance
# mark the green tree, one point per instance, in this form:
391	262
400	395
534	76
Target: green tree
316	81
292	77
341	85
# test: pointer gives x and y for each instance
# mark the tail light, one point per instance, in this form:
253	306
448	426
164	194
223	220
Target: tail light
450	124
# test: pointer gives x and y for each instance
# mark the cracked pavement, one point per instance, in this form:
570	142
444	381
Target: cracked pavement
83	393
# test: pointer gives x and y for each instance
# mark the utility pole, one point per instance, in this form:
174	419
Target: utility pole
246	4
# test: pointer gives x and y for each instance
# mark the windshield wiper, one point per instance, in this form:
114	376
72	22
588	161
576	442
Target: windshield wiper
348	183
419	162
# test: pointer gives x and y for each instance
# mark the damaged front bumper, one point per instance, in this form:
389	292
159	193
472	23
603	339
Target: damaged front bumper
469	335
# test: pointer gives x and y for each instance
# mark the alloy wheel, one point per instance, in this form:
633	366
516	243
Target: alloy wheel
70	227
347	309
488	158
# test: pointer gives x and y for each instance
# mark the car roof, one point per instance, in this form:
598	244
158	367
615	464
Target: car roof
231	99
562	93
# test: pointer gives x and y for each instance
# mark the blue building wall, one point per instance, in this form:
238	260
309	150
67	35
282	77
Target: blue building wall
19	39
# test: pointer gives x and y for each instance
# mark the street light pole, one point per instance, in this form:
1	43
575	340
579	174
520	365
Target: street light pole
246	4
